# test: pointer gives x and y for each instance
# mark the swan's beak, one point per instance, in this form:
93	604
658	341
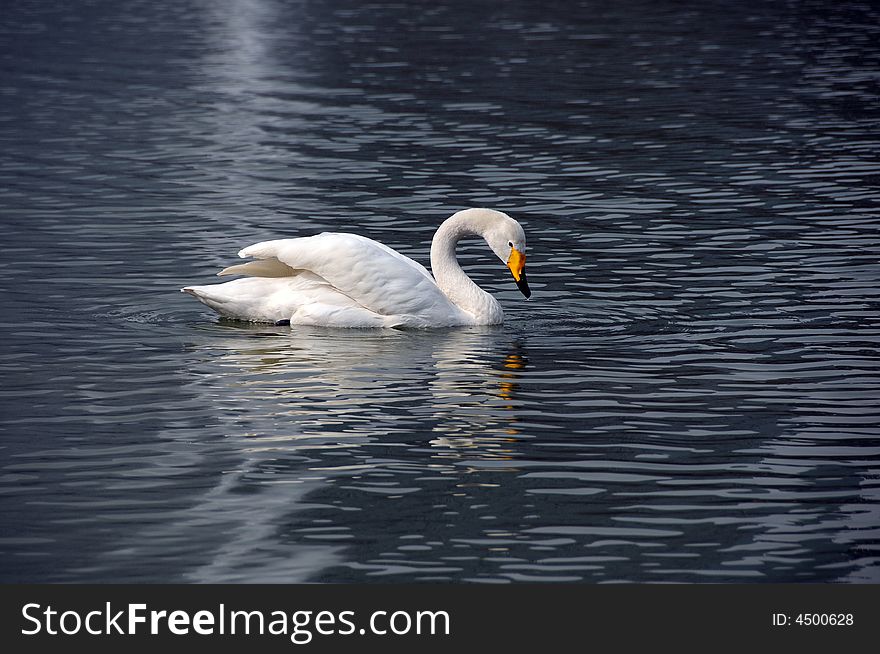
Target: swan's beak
517	265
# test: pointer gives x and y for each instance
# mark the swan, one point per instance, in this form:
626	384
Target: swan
347	280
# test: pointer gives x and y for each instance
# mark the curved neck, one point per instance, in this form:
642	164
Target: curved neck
451	279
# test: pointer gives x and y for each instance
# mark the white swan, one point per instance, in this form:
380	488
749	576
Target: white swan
345	280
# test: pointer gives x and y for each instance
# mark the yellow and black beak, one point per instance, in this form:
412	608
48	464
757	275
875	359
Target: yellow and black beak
517	265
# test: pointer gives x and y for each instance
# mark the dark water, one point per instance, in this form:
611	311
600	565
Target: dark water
692	394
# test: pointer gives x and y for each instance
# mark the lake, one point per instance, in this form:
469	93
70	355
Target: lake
692	393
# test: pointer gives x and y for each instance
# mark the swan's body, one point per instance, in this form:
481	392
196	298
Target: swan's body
345	280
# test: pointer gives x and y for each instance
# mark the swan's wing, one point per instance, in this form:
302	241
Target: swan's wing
372	274
260	268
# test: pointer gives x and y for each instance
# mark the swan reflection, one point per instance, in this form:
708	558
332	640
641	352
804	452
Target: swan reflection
480	419
284	399
319	388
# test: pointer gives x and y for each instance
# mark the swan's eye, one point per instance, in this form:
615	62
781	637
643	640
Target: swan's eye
510	244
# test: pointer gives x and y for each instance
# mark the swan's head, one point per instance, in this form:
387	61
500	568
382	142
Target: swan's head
503	234
508	241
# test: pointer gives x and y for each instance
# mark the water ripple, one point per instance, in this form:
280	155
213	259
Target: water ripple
690	395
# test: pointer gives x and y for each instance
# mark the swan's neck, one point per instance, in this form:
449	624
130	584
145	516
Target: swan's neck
452	280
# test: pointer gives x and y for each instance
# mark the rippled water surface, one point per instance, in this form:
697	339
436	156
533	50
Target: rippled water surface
692	393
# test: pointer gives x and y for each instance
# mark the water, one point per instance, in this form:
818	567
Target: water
692	394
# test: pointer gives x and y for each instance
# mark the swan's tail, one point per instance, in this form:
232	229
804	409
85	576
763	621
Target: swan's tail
255	299
204	295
